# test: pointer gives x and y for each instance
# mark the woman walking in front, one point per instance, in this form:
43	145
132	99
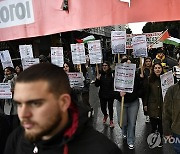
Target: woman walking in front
106	92
153	99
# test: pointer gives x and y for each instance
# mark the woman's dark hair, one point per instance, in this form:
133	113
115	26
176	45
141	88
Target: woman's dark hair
20	67
147	58
109	66
71	66
107	63
153	76
10	69
126	59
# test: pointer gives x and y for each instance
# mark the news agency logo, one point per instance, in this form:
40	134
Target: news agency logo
154	140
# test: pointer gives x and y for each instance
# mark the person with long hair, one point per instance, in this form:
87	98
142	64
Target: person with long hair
18	69
68	67
154	100
82	93
146	71
105	80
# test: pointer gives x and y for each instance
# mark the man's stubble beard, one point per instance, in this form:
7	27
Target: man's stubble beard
51	125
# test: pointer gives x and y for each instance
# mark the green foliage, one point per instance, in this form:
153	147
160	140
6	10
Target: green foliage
173	27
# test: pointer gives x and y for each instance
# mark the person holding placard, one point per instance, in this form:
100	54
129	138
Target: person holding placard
130	110
82	92
106	92
10	107
154	100
176	71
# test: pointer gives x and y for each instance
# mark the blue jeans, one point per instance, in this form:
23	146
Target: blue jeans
129	119
93	73
176	144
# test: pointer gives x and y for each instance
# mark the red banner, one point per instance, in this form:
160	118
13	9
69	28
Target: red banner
30	18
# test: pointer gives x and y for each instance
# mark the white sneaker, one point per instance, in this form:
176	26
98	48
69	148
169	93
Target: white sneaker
92	81
147	119
124	137
131	146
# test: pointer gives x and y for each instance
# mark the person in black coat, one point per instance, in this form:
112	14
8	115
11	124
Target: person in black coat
106	92
4	131
52	120
146	71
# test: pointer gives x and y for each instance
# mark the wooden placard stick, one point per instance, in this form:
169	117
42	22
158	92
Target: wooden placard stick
97	69
122	110
119	59
80	68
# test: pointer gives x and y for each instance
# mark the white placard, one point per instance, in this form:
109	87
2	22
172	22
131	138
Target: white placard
167	80
5	91
78	53
26	51
6	59
57	56
118	42
139	46
76	79
124	77
151	39
29	62
95	52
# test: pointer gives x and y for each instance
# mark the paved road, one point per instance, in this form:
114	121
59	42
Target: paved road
142	129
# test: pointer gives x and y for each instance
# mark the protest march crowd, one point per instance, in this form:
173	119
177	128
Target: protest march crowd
28	124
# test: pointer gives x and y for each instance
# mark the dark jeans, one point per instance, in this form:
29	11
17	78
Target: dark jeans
104	103
145	112
176	144
156	125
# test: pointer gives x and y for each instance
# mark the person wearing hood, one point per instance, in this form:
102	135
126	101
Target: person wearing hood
52	120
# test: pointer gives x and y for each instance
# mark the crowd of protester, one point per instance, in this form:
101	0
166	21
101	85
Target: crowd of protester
163	115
